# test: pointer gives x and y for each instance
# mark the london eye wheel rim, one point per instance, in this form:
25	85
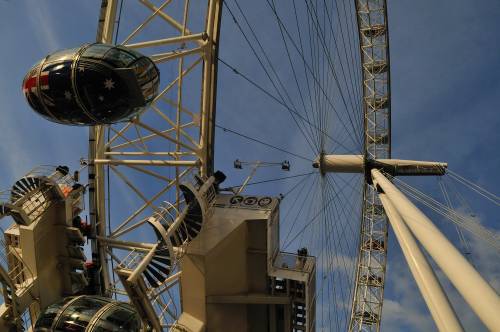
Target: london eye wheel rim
373	30
369	280
206	167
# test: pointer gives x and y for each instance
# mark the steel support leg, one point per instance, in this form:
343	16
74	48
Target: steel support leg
432	292
476	291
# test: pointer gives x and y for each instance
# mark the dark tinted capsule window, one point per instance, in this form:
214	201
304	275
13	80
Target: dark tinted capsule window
147	78
77	316
46	319
118	319
96	51
64	55
119	57
136	54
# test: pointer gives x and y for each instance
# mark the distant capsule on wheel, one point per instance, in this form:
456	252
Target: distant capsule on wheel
91	85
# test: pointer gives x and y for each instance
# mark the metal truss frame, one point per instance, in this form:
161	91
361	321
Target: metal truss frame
165	144
372	255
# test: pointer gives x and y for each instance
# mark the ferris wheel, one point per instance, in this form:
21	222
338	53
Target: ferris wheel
152	180
177	135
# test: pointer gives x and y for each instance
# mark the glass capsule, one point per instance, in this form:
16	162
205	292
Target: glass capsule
91	85
88	314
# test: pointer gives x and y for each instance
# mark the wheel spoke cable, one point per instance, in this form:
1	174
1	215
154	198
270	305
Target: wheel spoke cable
240	28
333	71
323	92
452	215
292	67
475	187
237	72
225	129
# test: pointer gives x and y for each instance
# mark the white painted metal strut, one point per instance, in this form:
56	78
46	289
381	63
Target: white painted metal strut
142	265
173	40
96	172
249	177
475	290
142	162
190	130
441	310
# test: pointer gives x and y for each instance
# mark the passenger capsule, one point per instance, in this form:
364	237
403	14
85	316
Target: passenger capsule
91	85
90	314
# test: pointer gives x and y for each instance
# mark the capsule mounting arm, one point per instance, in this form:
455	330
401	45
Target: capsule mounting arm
334	163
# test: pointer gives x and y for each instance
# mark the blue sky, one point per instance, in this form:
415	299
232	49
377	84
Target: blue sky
445	74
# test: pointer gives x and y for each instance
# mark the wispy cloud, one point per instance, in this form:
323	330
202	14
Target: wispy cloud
16	159
405	311
404	308
41	18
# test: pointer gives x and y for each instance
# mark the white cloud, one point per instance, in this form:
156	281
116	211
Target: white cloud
398	317
15	158
18	152
41	19
407	310
336	262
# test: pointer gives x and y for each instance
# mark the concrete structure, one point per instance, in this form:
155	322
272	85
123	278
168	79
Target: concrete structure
234	277
42	255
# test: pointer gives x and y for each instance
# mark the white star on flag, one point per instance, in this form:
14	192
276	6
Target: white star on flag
109	84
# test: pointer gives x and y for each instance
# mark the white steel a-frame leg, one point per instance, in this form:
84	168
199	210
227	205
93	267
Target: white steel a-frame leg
475	290
428	284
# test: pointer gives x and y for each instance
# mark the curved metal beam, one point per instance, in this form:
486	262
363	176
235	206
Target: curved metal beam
374	47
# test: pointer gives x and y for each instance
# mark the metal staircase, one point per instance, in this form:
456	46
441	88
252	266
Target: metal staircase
42	246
